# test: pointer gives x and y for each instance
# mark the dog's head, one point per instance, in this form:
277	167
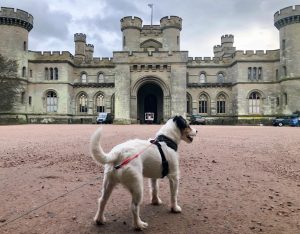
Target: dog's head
187	133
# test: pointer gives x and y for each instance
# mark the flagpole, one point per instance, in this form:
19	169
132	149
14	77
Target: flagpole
151	6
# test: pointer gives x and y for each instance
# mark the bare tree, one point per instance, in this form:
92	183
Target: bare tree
9	83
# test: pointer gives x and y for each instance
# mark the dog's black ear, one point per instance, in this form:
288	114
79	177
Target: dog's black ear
180	122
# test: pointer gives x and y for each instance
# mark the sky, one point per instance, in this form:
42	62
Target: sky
204	22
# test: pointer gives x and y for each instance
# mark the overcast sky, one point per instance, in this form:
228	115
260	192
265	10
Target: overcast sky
204	22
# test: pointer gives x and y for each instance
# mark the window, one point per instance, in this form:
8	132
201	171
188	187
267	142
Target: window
24	72
51	101
277	101
29	100
101	78
249	73
202	78
220	77
284	71
254	73
30	73
25	46
83	78
203	100
188	103
254	103
100	104
259	73
22	97
283	45
83	103
46	73
56	73
178	40
221	103
277	74
124	41
51	73
285	97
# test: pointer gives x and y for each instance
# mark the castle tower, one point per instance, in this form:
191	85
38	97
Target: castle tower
171	27
15	26
80	40
131	28
218	52
287	21
89	52
227	45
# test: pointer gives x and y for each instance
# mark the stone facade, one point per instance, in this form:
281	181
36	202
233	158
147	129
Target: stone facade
152	74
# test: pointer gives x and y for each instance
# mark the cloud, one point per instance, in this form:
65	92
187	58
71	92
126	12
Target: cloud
204	22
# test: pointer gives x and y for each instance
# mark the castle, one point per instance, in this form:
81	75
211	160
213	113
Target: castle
152	74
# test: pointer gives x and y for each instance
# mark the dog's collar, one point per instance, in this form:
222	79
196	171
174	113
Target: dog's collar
168	141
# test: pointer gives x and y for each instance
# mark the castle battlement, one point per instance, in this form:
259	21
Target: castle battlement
210	61
10	16
288	15
257	54
45	55
228	38
79	37
131	22
171	22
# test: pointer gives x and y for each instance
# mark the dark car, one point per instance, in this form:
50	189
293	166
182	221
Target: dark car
104	118
197	119
281	121
286	121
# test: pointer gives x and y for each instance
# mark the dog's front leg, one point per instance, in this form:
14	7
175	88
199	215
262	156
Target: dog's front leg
174	181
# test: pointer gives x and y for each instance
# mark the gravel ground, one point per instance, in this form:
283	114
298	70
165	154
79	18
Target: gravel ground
234	179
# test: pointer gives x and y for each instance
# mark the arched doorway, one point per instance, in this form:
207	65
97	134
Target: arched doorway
150	99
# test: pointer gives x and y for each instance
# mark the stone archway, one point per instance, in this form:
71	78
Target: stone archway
150	99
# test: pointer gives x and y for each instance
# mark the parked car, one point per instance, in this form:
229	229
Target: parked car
286	121
197	119
104	118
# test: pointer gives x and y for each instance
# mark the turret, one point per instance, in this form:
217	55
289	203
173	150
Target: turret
15	26
89	52
80	40
287	21
227	45
131	28
218	52
171	27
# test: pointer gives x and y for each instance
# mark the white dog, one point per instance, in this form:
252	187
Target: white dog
128	162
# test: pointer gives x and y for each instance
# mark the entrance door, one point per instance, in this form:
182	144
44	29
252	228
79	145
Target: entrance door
150	99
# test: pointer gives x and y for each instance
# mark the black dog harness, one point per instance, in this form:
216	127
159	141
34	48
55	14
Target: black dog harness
170	143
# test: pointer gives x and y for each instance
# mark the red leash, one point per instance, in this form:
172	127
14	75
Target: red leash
127	160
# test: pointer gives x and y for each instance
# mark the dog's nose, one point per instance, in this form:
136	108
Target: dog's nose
196	131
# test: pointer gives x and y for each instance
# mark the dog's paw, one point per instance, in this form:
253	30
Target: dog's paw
100	221
176	209
140	226
156	201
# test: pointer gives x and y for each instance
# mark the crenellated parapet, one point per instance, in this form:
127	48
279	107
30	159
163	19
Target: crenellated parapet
286	16
10	16
50	56
171	22
228	38
257	55
131	22
79	37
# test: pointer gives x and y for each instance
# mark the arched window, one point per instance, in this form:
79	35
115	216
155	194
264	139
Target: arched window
51	101
259	72
203	103
254	73
254	103
56	73
83	78
285	97
24	72
51	73
221	104
101	78
83	103
220	77
202	78
100	104
249	73
46	73
284	71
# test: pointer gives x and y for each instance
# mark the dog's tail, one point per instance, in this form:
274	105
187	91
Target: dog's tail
96	149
